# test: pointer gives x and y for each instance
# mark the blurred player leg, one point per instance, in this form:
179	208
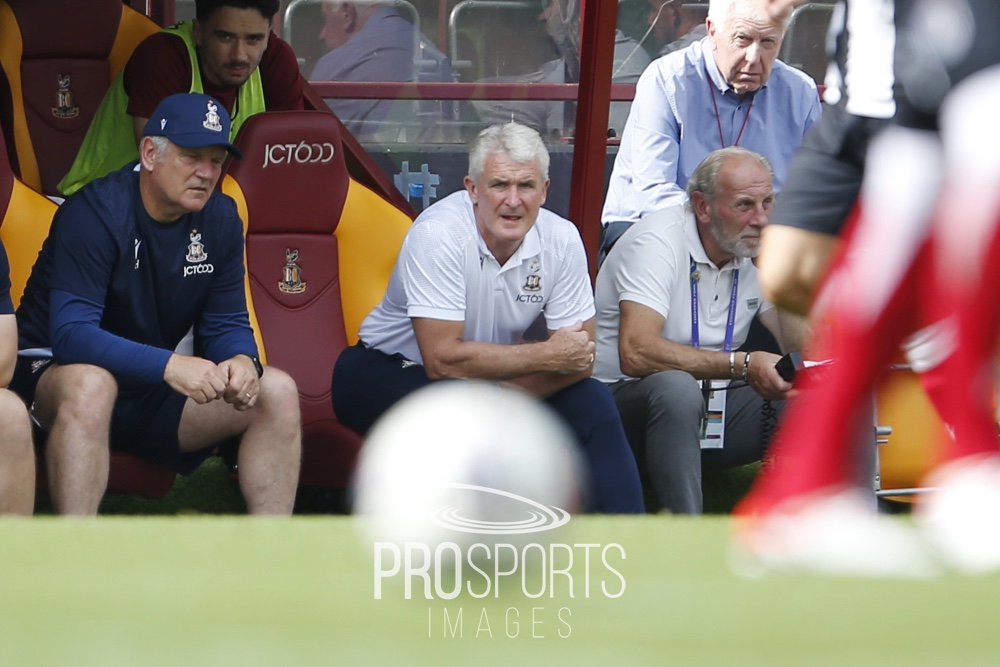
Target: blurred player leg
869	301
962	519
805	513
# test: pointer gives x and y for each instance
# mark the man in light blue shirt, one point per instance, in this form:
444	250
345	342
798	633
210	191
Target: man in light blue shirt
728	89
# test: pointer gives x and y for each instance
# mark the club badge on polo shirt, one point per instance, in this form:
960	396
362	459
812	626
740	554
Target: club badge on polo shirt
533	281
532	284
196	255
212	118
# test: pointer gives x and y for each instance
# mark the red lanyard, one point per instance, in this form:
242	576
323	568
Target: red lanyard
718	120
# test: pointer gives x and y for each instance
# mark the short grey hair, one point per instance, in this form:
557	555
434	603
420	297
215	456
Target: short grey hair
719	10
519	142
705	178
161	144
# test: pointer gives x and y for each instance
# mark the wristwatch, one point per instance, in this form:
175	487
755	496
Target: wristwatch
256	364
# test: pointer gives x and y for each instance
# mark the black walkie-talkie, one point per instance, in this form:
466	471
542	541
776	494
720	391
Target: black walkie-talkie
789	365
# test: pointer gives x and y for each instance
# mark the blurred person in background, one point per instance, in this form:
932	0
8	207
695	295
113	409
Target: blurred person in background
553	118
674	26
372	41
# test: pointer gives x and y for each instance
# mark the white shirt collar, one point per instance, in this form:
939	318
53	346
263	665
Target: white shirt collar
531	246
697	249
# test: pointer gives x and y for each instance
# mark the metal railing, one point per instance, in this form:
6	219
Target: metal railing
466	6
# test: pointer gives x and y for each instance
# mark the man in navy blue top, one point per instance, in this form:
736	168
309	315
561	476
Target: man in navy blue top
133	263
17	457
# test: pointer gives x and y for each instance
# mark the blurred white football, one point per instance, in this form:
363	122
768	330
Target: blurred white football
467	462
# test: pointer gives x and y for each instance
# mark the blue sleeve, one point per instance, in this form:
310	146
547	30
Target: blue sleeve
77	338
6	303
83	251
654	144
223	329
815	112
224	335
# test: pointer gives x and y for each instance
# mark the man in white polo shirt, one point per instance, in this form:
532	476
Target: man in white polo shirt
475	271
675	299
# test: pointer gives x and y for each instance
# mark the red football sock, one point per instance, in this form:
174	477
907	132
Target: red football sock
869	302
816	445
929	348
970	369
968	262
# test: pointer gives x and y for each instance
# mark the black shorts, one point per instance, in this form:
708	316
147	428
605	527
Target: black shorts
825	176
144	422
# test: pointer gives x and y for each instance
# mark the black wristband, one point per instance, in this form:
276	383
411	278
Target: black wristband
259	367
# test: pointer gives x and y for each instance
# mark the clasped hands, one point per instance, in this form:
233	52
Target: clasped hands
234	380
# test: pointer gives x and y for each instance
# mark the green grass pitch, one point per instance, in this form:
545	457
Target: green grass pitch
241	591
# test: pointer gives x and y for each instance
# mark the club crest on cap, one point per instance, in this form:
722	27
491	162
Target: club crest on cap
191	120
212	118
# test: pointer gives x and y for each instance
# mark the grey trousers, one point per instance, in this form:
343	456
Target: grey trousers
662	416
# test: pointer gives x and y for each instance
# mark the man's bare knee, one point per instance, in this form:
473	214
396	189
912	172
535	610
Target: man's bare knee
279	395
15	427
271	449
77	393
12	408
17	457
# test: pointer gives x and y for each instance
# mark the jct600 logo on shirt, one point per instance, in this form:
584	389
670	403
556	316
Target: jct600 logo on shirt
529	298
196	255
198	268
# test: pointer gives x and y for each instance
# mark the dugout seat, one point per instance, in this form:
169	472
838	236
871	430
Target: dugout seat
25	217
57	59
910	434
320	247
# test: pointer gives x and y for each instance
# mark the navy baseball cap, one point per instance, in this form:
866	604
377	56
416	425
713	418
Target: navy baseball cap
191	120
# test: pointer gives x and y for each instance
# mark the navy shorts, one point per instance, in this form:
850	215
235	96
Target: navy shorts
144	422
366	383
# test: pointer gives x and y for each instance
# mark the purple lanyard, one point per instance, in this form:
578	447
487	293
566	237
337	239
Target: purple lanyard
730	320
718	118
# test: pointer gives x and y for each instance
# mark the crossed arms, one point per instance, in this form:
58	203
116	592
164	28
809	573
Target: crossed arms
543	368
